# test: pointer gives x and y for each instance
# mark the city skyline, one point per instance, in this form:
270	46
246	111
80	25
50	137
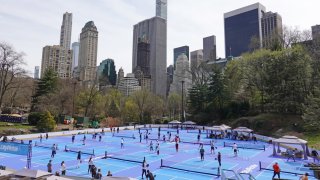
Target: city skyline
115	37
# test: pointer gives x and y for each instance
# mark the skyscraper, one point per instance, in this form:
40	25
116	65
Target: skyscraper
178	51
143	56
66	28
161	8
88	52
240	26
75	57
128	85
107	69
182	73
155	31
169	77
120	75
209	48
271	28
196	58
58	59
315	31
36	72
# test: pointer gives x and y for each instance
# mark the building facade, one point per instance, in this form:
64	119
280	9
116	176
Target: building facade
271	28
120	76
88	52
107	69
128	85
155	31
315	31
143	56
161	8
170	71
75	56
36	72
178	51
196	58
209	48
66	28
58	59
182	73
240	26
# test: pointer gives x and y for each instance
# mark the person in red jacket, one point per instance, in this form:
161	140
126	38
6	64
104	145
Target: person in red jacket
276	170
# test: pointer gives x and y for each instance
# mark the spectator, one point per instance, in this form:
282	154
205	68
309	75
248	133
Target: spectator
109	173
276	170
63	168
93	171
150	176
98	175
304	177
49	166
315	155
57	173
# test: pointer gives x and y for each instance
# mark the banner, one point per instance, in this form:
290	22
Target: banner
14	148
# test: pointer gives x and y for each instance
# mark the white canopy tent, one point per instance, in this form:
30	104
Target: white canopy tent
243	129
291	140
225	126
189	123
174	122
216	128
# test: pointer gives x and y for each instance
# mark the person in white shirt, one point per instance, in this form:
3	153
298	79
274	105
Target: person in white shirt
235	149
122	142
144	168
90	163
63	168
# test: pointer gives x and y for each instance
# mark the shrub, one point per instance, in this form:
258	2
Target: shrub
34	118
46	122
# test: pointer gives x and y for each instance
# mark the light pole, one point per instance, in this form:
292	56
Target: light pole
182	104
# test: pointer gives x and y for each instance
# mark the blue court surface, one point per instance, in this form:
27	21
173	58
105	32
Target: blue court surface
169	164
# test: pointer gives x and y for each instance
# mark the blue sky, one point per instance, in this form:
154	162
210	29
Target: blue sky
29	25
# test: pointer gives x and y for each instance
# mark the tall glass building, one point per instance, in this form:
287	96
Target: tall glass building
240	26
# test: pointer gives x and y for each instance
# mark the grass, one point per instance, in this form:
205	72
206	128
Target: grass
6	128
313	140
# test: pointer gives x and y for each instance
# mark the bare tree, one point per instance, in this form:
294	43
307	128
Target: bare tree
11	63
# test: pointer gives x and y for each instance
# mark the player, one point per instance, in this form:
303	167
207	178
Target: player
202	153
53	151
73	138
151	146
198	137
122	143
235	149
79	159
212	146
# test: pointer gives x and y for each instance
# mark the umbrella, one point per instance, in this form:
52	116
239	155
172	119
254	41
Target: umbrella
5	172
189	123
174	122
31	173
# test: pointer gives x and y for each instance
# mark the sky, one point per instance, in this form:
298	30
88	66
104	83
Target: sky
29	25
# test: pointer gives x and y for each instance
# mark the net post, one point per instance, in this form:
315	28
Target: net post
161	163
264	148
224	144
105	154
259	165
93	151
65	148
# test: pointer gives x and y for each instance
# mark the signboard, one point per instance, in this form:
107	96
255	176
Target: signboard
14	148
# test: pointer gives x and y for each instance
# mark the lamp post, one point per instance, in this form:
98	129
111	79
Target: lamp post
182	104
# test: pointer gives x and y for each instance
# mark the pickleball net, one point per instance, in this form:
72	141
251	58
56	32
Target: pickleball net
246	145
124	157
131	136
77	149
190	167
45	145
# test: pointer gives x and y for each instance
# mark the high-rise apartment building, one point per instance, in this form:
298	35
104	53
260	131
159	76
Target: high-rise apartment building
128	85
75	56
143	56
161	8
209	48
240	26
196	58
88	52
181	73
178	51
155	31
120	75
58	59
107	69
271	28
66	28
315	31
36	72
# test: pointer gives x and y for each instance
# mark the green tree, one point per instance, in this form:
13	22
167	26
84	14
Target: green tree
46	122
47	84
130	111
311	112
